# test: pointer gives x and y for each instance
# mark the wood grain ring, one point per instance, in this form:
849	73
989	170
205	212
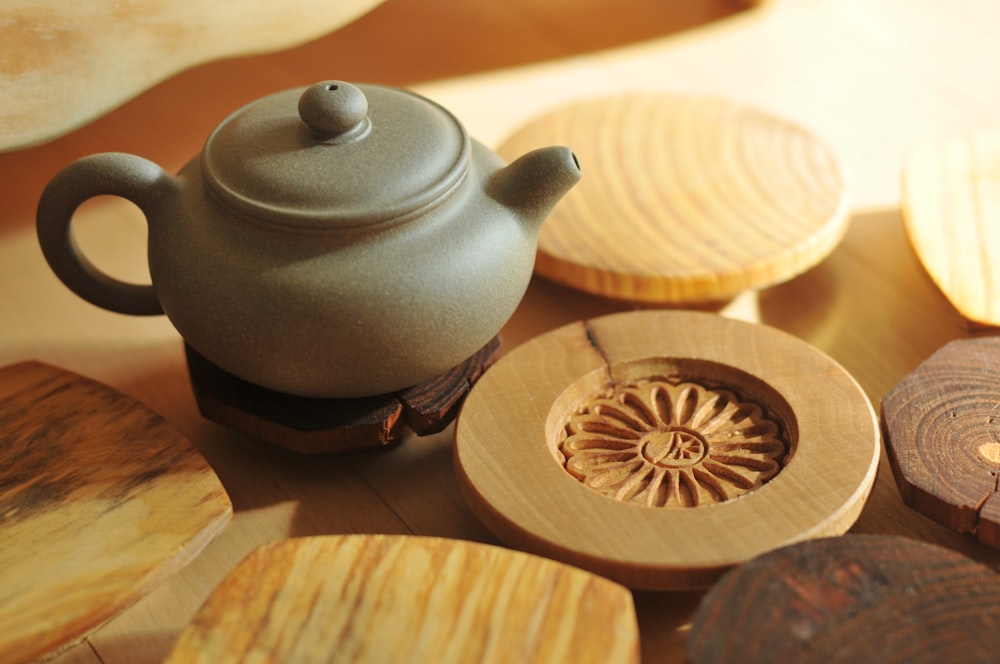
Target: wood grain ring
511	473
684	199
941	425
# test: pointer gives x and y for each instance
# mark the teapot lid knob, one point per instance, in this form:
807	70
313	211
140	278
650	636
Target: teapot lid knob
334	109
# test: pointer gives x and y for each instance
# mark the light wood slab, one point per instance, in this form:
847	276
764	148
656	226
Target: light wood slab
684	199
63	64
858	598
384	598
100	501
951	204
661	448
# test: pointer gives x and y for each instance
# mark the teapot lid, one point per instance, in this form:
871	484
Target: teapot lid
336	155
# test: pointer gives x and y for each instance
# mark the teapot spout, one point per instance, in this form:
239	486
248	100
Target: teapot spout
531	185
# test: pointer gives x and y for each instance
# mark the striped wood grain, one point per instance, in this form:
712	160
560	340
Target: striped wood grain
100	501
384	598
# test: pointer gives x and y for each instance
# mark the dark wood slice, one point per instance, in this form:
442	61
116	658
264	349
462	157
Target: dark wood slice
431	407
321	426
941	426
856	598
309	426
100	501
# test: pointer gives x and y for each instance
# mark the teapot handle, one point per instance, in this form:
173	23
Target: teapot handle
128	176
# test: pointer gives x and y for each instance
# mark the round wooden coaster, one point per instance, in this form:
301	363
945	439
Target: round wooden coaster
660	448
857	598
942	436
684	199
393	598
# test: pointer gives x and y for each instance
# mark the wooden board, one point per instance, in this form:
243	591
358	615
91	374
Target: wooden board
100	501
941	426
951	205
660	448
684	199
857	598
63	64
384	598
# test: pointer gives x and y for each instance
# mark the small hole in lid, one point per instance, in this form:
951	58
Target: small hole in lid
332	86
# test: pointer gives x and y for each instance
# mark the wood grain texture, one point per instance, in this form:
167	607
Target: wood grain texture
323	426
857	598
685	199
941	425
100	501
951	204
64	64
762	442
381	598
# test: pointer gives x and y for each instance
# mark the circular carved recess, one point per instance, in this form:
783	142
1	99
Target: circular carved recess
668	443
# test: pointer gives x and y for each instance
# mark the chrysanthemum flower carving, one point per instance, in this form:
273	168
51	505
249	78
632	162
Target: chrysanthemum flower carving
672	444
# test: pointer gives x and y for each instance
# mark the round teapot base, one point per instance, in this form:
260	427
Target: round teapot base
323	426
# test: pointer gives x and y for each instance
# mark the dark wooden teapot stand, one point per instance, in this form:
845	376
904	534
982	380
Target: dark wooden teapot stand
321	426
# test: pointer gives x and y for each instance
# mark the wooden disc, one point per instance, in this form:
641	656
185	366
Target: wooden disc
100	501
684	199
383	598
951	209
942	435
660	448
856	598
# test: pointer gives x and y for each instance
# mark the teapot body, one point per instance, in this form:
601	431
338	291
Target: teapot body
340	312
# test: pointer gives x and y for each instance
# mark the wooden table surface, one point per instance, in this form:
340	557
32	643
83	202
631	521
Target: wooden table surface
871	78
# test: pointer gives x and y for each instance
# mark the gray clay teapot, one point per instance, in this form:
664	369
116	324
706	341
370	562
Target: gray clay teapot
335	241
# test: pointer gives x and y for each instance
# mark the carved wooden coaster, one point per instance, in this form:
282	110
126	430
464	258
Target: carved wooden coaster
660	448
685	199
951	208
319	426
100	501
941	426
384	598
856	598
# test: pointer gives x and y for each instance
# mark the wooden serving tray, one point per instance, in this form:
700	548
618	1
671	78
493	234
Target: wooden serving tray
385	598
100	501
660	448
685	199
